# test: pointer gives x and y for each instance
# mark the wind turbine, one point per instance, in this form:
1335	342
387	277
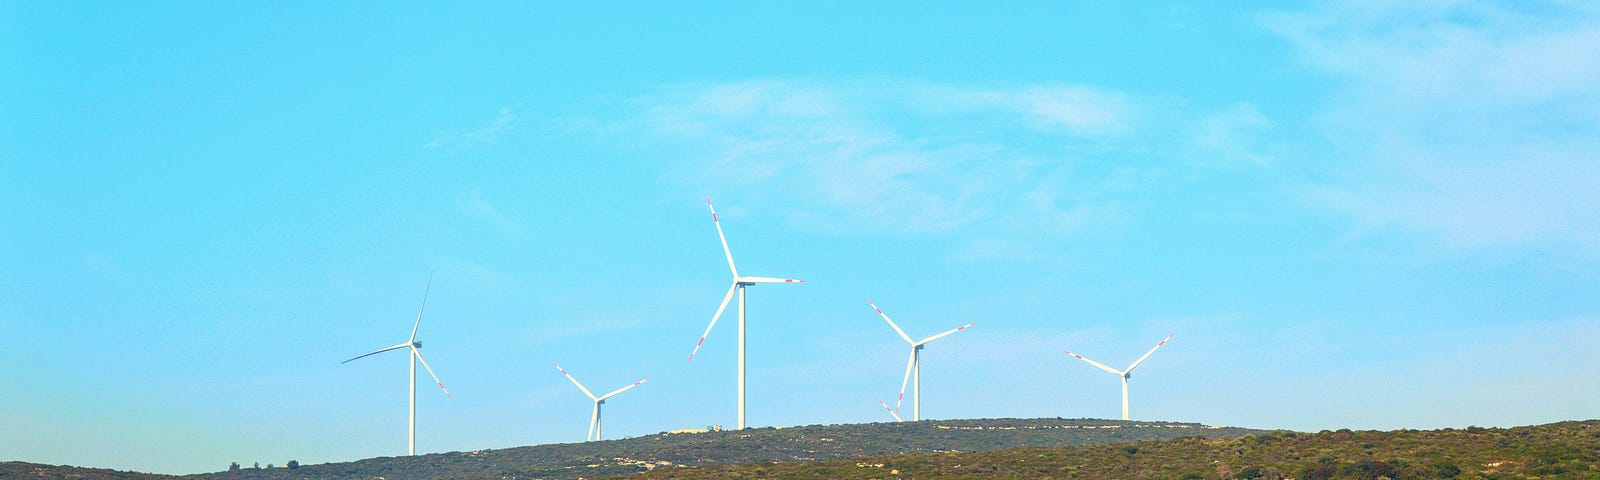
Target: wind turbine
739	283
913	365
594	420
1125	374
416	356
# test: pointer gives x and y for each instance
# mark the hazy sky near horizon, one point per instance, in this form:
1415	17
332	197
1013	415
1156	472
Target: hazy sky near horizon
1352	214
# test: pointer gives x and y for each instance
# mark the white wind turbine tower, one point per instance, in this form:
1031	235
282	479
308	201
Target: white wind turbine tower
739	283
594	419
913	366
416	356
1125	374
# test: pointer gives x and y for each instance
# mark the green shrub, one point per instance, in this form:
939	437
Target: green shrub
1446	469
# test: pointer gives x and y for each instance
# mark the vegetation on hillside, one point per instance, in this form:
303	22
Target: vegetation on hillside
1567	450
1006	448
762	445
34	471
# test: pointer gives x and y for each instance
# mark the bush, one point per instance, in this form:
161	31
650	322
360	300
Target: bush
1446	469
1323	470
1371	470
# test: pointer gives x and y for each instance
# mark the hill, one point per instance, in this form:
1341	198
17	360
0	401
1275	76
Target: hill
1566	450
753	446
1004	448
34	471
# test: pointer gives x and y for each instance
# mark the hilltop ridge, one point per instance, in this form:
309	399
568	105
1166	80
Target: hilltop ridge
730	447
1560	450
993	448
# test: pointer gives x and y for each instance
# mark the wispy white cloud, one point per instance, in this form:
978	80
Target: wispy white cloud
910	156
1236	133
475	204
503	121
1472	123
1074	109
1078	109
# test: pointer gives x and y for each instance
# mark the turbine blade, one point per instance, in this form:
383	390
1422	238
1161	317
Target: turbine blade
724	239
891	411
424	306
574	381
1152	350
769	280
714	318
939	336
1097	364
623	389
910	362
403	345
430	373
891	323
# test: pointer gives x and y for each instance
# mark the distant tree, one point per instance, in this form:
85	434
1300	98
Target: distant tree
269	465
233	466
293	464
258	466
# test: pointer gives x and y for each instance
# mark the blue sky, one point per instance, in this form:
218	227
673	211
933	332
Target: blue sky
1353	215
